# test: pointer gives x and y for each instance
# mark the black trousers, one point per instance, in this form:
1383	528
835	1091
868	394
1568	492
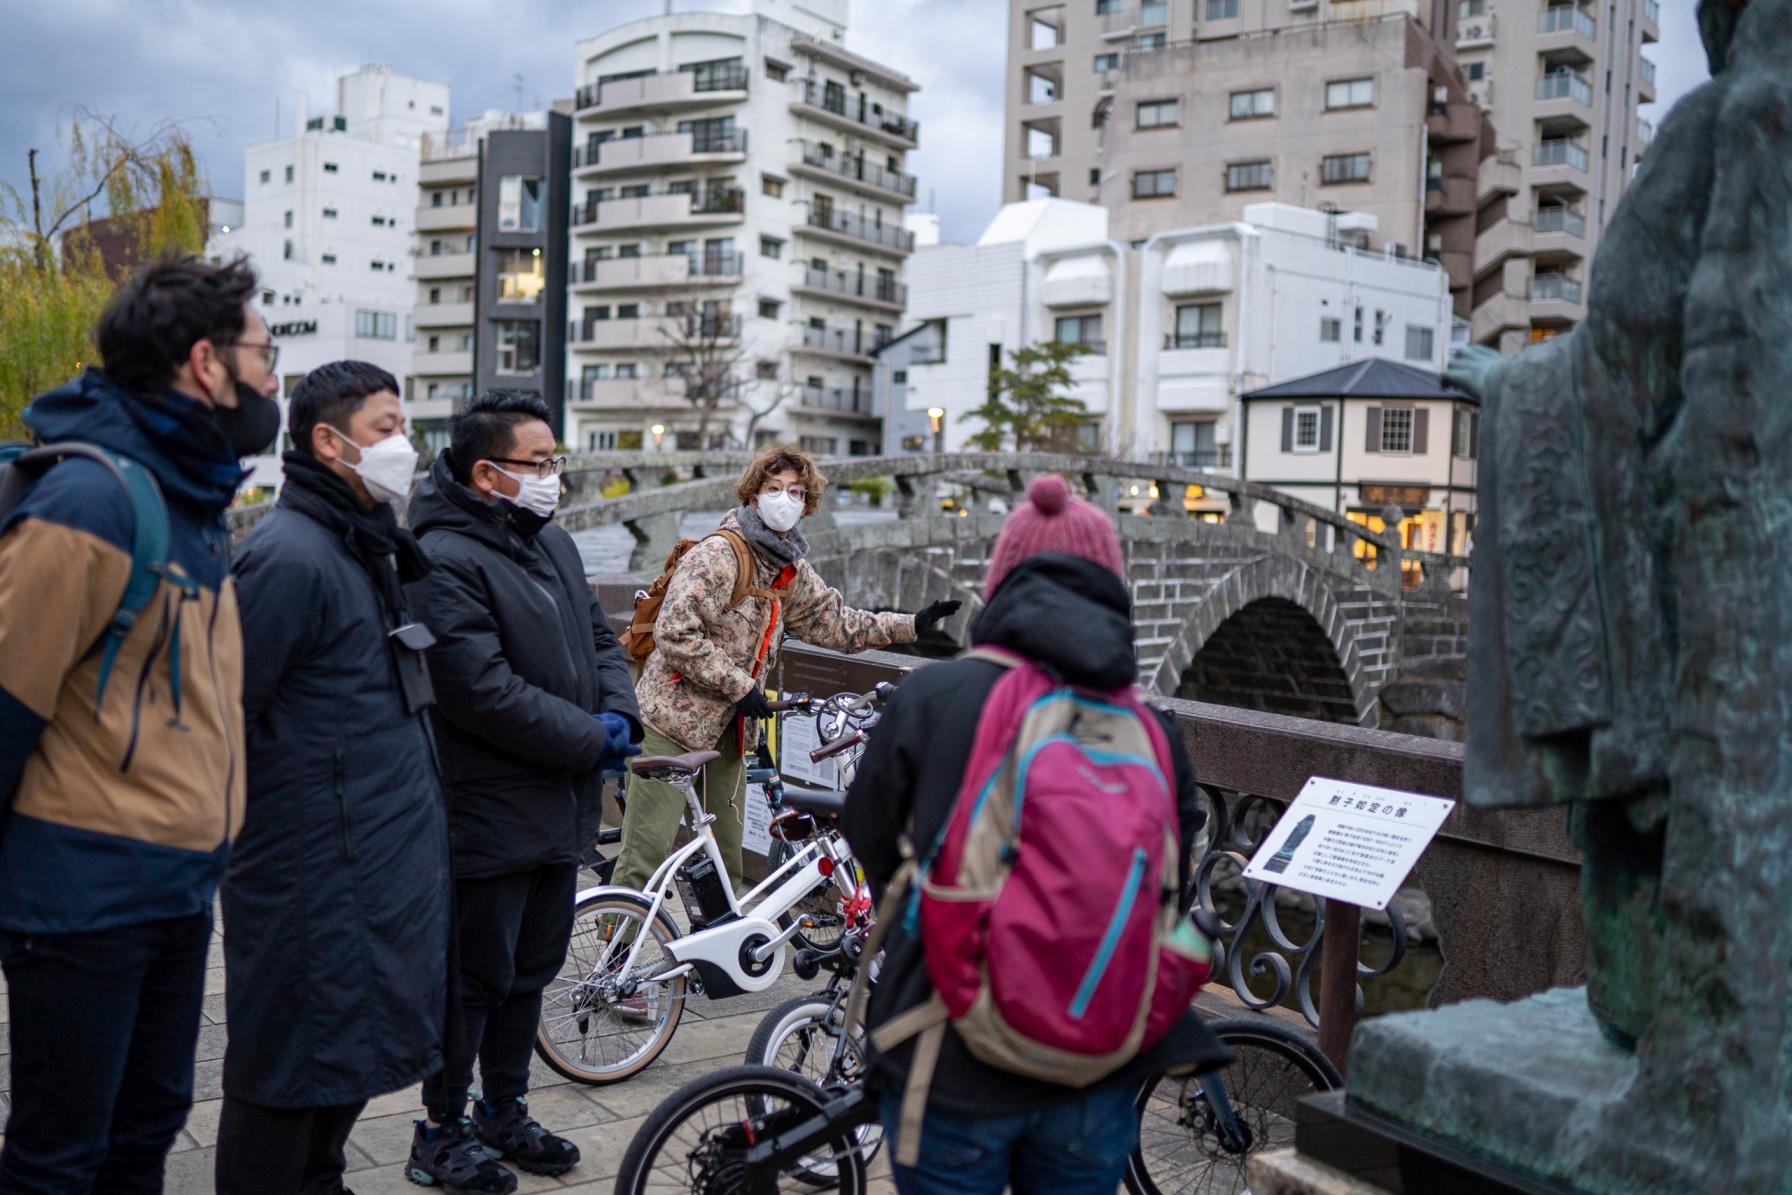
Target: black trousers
103	1026
511	932
282	1151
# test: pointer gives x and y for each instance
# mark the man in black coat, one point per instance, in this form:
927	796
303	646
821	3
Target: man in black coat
534	704
1054	594
336	903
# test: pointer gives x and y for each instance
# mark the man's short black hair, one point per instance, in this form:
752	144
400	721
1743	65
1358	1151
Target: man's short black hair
153	320
486	427
332	394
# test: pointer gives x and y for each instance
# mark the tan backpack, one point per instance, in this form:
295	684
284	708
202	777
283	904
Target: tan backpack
637	641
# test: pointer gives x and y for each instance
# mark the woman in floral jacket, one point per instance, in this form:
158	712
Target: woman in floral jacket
702	686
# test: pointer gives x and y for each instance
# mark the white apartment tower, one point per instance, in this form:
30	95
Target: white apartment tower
739	192
327	222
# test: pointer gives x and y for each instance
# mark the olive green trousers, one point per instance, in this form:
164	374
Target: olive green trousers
650	821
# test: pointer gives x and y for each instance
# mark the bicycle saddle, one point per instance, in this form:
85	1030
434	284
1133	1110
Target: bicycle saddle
814	801
688	764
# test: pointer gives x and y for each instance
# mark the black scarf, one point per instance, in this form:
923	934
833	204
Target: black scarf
781	550
373	536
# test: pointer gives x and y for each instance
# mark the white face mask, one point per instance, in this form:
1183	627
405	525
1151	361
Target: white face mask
538	496
386	467
780	511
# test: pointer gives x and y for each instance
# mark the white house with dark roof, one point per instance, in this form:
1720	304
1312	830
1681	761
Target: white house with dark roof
1364	437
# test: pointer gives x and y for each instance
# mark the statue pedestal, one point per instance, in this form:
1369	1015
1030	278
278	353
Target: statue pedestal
1481	1098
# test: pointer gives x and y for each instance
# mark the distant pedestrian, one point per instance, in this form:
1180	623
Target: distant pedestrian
1056	600
121	754
703	686
533	706
336	904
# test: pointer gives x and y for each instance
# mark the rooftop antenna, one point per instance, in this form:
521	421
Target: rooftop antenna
516	85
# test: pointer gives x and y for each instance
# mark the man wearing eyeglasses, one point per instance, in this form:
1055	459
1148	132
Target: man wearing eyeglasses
121	724
533	705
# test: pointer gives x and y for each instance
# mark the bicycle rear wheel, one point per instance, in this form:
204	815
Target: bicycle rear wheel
698	1138
1187	1146
599	1025
820	916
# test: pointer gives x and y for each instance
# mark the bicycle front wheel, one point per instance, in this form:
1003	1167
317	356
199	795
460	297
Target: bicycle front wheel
602	1019
819	916
1188	1146
800	1035
698	1138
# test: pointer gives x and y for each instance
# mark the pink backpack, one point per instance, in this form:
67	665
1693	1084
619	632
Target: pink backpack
1047	906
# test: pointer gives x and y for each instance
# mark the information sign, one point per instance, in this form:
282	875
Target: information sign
756	832
1348	842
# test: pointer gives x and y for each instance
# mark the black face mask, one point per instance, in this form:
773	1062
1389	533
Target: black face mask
251	425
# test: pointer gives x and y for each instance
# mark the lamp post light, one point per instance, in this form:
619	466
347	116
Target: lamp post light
659	434
937	417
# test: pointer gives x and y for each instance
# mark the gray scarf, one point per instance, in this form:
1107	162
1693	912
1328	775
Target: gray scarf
779	549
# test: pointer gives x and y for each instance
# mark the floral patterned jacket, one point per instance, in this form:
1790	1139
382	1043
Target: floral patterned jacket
708	657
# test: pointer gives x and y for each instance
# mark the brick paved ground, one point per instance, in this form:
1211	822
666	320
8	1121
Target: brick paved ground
601	1120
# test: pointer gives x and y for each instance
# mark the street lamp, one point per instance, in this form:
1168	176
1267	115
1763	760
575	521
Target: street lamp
659	433
937	417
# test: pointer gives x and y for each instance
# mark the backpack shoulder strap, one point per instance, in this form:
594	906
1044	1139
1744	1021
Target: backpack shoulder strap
744	586
1000	657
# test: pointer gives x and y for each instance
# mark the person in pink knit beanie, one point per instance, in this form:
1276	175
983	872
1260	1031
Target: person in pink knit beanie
1050	520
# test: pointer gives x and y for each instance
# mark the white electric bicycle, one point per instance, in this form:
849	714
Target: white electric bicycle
630	966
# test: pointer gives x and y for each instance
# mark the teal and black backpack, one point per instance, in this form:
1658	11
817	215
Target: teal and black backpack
22	465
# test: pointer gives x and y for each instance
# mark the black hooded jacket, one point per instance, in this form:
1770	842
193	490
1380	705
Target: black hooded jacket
523	660
1073	617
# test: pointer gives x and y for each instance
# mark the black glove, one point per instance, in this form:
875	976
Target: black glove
753	705
936	613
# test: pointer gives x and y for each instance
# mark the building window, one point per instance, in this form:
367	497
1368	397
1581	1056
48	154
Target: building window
1306	430
267	298
266	176
1253	104
1103	62
520	276
774	187
628	371
286	251
329	168
376	325
1396	430
819	445
379	221
519	204
289	174
1250	176
379	176
771	247
1350	93
899	377
1474	71
1344	168
1154	12
1199	326
329	259
1159	114
288	219
519	346
329	213
1331	329
1153	184
1419	342
776	72
1081	329
1221	10
1194	444
378	267
1151	41
769	308
435	199
628	311
1467	431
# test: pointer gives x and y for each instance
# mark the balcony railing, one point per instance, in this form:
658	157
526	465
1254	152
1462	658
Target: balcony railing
707	141
1566	18
1645	132
1561	219
1195	340
837	340
1564	85
717	201
1652	12
704	265
816	96
1561	153
856	167
834	398
1555	286
710	76
881	290
1647	69
1219	457
859	228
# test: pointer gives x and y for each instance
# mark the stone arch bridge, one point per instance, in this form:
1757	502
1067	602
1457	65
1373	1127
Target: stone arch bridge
1279	605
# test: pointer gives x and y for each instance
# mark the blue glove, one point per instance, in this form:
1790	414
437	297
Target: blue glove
619	742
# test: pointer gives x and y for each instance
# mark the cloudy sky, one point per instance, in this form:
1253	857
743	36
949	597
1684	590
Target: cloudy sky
222	67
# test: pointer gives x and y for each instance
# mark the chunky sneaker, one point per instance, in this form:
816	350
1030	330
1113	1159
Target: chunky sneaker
454	1159
508	1131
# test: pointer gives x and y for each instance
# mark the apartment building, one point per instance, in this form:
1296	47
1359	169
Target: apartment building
327	222
1173	112
490	254
1562	82
737	242
1174	328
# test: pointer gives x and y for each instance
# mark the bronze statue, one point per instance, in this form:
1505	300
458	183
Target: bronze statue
1631	654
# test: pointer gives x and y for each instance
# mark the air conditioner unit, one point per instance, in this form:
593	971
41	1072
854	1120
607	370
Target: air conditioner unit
1302	5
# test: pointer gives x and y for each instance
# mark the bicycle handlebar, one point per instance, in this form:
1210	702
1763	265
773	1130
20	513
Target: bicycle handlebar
795	702
837	746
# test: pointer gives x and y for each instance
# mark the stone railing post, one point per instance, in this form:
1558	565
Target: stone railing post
1169	500
655	537
908	498
1100	494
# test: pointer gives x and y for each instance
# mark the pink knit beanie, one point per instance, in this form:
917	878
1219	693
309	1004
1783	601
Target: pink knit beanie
1050	520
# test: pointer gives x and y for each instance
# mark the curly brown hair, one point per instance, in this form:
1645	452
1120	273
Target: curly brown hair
776	460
